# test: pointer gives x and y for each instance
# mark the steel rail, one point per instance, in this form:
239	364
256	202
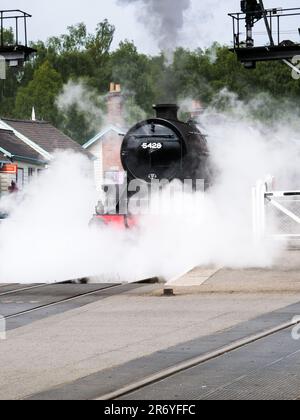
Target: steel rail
59	302
196	361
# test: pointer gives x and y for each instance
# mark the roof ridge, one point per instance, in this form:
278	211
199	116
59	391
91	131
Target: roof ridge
43	137
25	121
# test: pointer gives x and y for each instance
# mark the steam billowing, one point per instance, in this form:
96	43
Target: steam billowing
164	19
51	217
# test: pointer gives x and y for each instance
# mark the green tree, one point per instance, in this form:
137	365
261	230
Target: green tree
75	124
41	93
135	73
81	56
8	36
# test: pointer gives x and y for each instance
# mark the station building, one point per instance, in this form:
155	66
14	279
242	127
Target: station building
27	147
105	146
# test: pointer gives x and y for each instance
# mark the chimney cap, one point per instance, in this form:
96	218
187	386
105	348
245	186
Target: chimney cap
114	87
166	106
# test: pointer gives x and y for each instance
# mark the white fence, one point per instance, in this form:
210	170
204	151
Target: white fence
275	213
2	328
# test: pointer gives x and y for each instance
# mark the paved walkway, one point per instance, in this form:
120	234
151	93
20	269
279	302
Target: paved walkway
80	342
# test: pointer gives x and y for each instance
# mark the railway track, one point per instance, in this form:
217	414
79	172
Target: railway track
19	288
59	302
23	306
129	391
159	382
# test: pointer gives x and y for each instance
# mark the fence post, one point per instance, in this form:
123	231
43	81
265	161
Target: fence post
259	210
254	213
270	183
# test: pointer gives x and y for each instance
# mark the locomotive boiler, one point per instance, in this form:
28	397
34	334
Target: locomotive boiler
165	148
159	148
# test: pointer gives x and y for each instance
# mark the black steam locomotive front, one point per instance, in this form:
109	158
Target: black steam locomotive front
164	148
158	149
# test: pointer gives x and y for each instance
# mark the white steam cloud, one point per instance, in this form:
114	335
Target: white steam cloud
49	222
86	101
92	105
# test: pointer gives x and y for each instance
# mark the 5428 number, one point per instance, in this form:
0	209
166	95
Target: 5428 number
153	146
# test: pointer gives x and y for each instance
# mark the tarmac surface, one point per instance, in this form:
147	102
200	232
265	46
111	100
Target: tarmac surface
109	337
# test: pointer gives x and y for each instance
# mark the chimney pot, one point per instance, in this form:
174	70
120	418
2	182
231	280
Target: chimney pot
112	87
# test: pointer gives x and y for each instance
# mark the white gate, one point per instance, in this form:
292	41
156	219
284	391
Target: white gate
275	213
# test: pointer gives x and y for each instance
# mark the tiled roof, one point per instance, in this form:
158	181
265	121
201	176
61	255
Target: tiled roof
45	135
16	147
4	158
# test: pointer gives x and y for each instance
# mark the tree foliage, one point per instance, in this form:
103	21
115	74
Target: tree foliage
41	93
81	56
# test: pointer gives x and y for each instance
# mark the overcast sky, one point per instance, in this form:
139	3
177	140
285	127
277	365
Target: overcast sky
207	21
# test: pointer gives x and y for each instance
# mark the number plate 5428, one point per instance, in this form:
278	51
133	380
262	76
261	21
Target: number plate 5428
153	146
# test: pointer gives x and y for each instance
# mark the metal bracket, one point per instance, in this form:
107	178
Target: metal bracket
292	66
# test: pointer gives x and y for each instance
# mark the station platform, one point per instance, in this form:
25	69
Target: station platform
120	335
283	276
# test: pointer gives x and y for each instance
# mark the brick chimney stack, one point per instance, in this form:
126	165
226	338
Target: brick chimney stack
115	105
197	109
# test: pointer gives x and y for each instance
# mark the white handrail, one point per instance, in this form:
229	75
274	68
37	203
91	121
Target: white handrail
262	193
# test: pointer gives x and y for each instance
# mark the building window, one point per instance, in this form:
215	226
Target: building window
31	172
114	177
20	178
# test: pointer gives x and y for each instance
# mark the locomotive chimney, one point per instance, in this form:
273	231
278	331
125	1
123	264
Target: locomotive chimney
167	111
115	105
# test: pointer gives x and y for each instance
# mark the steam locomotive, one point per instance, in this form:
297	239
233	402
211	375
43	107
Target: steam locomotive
160	148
